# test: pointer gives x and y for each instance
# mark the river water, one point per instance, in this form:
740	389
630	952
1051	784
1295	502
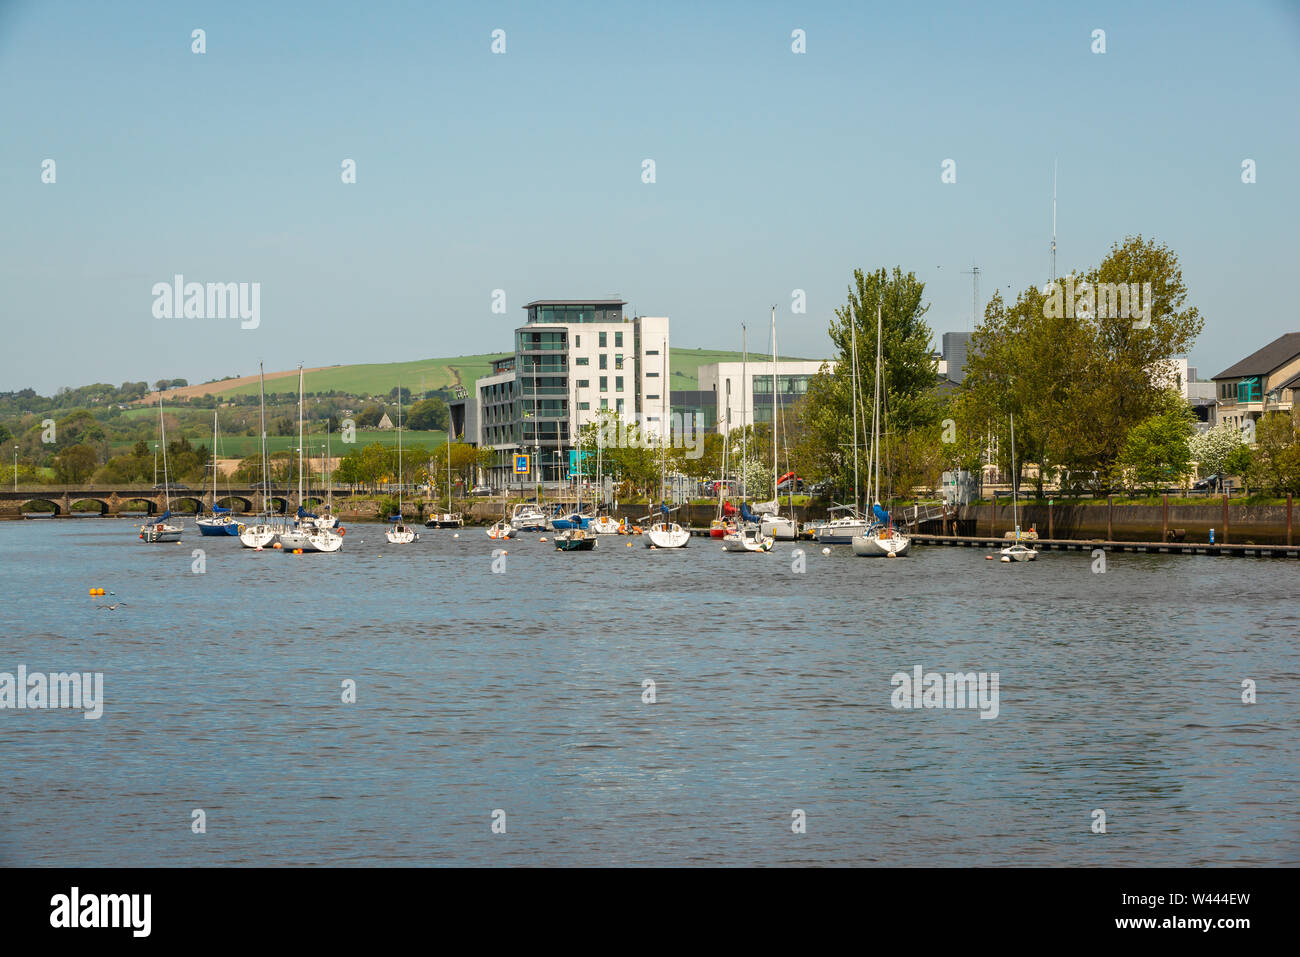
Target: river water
520	690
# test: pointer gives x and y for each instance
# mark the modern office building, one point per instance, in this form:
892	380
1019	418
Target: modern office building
742	392
572	358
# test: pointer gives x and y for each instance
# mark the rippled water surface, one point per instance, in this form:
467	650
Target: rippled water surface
523	691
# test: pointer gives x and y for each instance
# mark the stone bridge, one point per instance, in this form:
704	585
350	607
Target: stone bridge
65	500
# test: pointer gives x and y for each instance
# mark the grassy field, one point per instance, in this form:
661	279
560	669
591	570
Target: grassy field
421	375
238	446
380	378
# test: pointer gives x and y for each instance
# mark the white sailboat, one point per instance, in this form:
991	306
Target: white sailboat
400	533
261	533
305	536
161	529
664	533
882	540
775	525
844	522
747	536
329	519
450	519
1018	551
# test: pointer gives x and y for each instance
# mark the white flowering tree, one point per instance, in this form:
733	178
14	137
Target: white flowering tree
757	477
1213	448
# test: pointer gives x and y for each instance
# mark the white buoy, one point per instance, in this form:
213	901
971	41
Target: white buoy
826	551
457	535
1006	558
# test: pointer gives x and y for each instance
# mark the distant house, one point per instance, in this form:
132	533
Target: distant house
1264	381
385	422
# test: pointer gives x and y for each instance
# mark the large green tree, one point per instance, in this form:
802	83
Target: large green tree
910	405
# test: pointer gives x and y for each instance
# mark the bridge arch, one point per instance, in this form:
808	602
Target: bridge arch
231	501
279	505
40	506
187	505
102	510
131	505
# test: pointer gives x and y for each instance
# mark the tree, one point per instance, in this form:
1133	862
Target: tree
1079	381
909	401
75	464
1214	447
1276	464
427	415
1157	449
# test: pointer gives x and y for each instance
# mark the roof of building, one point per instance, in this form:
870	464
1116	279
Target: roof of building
1277	353
576	302
1292	383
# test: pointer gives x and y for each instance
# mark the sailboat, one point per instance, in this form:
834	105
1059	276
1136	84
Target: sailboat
160	529
221	522
844	521
722	522
306	536
448	519
329	519
882	539
400	533
665	533
774	524
262	532
1017	551
748	536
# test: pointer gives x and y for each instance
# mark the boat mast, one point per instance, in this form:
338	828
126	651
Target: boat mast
744	378
775	495
1015	511
875	414
214	462
301	504
266	472
399	450
162	431
853	353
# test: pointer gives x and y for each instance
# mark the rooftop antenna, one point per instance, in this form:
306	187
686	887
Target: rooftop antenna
1053	279
974	273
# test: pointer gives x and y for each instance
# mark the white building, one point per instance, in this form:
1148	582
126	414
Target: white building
743	390
572	358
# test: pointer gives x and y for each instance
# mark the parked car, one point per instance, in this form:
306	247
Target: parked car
1209	483
789	482
167	485
818	489
481	490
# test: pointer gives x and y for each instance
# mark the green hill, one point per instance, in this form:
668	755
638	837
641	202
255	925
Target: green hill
421	375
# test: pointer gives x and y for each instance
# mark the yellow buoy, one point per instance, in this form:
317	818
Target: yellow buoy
629	544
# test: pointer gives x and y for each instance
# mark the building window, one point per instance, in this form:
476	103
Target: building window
577	341
604	359
581	361
604	383
602	340
653	352
618	383
619	405
584	383
618	338
652	397
604	403
618	361
655	375
584	406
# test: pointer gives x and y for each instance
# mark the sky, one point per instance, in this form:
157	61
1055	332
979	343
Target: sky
523	171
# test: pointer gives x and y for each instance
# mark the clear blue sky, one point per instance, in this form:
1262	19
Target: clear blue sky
775	171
